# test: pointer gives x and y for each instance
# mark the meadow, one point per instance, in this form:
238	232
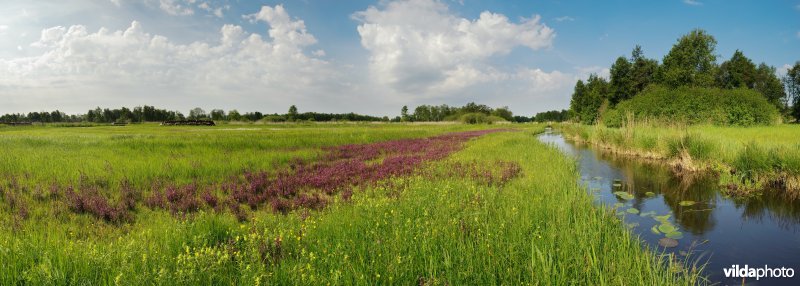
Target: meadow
308	204
750	160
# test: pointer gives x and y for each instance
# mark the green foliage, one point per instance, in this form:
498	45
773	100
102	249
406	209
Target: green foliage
792	82
643	71
621	83
292	114
768	84
504	113
690	62
479	118
451	113
587	99
738	72
552	115
696	106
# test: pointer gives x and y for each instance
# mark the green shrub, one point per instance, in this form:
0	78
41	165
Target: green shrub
479	118
740	107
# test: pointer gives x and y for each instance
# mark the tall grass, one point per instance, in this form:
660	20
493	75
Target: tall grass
750	157
431	228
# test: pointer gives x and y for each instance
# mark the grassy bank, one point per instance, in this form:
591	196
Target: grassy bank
750	160
505	209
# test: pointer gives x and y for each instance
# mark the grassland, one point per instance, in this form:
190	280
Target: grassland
505	209
750	160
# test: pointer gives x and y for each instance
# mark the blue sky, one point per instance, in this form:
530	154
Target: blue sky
340	56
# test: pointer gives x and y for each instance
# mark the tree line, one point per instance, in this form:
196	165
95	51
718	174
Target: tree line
691	62
152	114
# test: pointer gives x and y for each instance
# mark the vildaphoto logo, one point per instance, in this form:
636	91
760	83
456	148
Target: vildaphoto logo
758	272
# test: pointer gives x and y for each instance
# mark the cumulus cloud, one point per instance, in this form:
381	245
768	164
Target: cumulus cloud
176	7
266	69
419	46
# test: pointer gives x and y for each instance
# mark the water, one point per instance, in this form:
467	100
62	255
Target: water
716	229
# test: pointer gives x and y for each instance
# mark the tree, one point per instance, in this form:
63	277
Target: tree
587	99
503	112
234	115
292	114
621	81
737	72
792	82
690	62
197	113
643	70
217	114
767	83
576	104
404	113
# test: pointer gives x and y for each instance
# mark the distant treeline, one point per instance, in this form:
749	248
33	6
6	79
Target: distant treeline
552	116
469	113
152	114
690	65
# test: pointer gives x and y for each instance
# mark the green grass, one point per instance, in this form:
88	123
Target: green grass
429	228
146	153
752	155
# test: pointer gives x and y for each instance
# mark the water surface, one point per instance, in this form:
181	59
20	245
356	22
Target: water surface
716	229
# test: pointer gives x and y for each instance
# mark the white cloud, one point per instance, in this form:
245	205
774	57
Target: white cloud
693	2
564	18
3	29
176	7
418	46
215	11
782	70
132	66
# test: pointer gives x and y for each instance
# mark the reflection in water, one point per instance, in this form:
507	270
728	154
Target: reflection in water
721	230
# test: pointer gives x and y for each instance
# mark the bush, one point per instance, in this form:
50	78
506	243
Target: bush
741	107
479	118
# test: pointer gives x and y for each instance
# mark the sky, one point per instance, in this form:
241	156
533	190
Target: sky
369	57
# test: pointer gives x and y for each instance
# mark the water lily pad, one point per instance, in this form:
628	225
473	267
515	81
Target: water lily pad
618	205
632	211
687	203
624	195
662	218
667	228
654	230
597	178
674	235
668	242
646	214
650	194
